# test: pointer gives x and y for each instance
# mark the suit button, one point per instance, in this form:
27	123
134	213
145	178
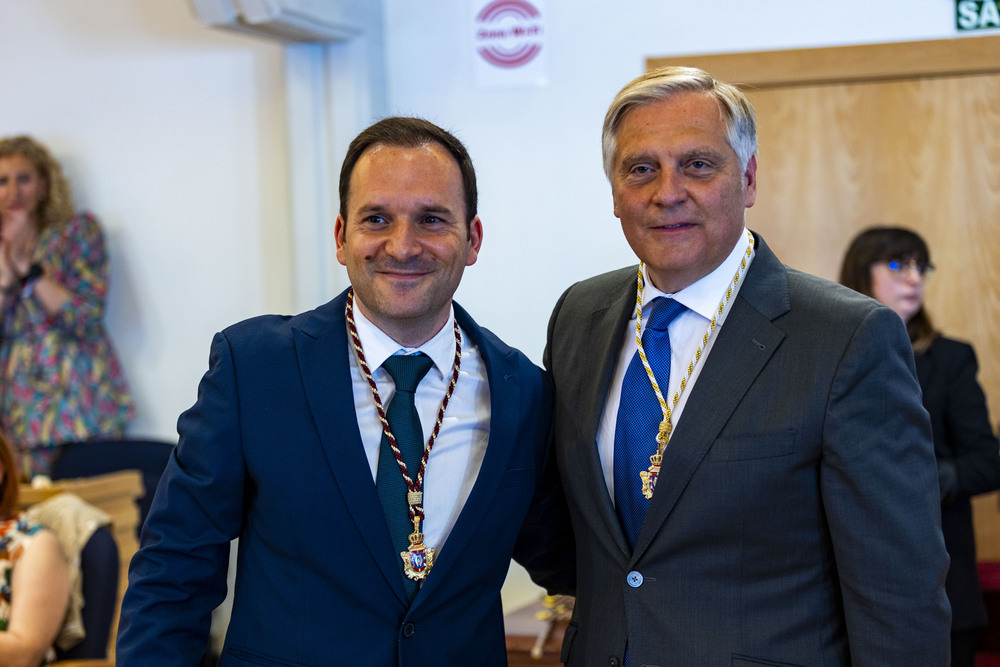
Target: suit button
409	630
614	662
634	579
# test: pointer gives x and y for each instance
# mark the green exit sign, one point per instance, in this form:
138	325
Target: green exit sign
977	14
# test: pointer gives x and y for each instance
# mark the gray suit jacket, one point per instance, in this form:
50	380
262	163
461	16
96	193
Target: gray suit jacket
795	519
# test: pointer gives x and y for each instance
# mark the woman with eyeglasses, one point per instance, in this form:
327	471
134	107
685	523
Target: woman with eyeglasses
892	264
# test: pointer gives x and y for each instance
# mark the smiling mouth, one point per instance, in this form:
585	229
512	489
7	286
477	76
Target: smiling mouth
397	274
404	269
403	276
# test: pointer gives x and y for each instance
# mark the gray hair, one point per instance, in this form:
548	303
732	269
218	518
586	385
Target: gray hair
660	84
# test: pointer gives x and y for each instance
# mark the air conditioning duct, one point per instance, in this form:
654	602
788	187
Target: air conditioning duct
284	20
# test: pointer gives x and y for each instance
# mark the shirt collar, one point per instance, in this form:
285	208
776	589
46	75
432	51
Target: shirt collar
378	346
704	295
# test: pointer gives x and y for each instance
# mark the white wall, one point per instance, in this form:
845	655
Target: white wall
545	204
544	200
173	134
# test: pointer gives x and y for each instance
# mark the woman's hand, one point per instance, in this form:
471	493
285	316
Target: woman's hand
18	238
19	235
10	279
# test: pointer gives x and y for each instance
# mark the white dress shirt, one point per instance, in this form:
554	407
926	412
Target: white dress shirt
702	300
458	452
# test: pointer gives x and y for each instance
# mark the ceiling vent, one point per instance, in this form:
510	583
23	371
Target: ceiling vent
284	20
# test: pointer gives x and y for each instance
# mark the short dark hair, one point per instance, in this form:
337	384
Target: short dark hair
884	244
405	132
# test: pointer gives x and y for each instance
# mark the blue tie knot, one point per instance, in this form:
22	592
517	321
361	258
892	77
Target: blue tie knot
663	312
407	370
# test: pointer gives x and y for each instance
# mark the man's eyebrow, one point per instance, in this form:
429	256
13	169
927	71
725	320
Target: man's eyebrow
371	207
638	156
435	208
704	152
379	207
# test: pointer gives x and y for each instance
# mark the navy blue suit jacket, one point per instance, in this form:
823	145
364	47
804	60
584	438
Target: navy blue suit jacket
271	453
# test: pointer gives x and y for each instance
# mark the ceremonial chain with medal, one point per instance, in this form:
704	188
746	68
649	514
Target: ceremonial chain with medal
418	558
648	477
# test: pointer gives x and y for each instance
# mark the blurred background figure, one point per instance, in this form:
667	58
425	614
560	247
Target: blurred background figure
34	580
892	264
60	380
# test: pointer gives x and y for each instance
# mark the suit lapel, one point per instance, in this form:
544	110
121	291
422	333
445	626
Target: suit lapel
321	348
603	327
743	347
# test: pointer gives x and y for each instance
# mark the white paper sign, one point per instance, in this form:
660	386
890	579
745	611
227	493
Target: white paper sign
510	43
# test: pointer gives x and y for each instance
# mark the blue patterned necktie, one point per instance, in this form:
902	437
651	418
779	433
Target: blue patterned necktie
406	372
639	416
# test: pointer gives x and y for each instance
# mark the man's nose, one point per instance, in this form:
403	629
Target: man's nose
403	239
670	188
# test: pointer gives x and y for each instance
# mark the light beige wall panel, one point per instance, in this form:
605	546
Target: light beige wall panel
905	134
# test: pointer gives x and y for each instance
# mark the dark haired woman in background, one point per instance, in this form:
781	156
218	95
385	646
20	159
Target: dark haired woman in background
891	265
60	380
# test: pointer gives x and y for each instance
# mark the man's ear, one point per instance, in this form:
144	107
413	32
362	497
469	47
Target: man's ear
475	240
750	182
339	235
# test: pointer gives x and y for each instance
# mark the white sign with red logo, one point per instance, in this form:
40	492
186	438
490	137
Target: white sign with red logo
510	42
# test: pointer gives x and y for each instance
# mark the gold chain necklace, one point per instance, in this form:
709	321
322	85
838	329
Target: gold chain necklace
648	477
418	558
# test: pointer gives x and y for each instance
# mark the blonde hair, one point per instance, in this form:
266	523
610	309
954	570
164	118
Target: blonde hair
55	208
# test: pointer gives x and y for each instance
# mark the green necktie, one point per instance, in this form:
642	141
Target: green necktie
404	422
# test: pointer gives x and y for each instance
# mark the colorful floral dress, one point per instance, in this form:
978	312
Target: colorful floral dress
60	380
16	533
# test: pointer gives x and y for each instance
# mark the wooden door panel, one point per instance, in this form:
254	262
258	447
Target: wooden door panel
903	134
922	153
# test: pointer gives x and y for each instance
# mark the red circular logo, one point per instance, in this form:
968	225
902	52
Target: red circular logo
509	33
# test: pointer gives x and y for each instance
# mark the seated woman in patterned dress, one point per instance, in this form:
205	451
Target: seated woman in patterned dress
34	581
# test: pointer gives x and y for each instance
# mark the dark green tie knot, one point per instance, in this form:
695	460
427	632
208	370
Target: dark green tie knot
407	370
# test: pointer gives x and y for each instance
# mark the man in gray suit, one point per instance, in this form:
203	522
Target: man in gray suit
751	476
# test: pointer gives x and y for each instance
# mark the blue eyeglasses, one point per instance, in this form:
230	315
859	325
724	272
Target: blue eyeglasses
900	267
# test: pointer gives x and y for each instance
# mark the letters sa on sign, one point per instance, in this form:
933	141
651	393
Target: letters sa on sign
977	14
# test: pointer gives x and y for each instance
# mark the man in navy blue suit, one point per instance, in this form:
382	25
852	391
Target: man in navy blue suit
292	448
